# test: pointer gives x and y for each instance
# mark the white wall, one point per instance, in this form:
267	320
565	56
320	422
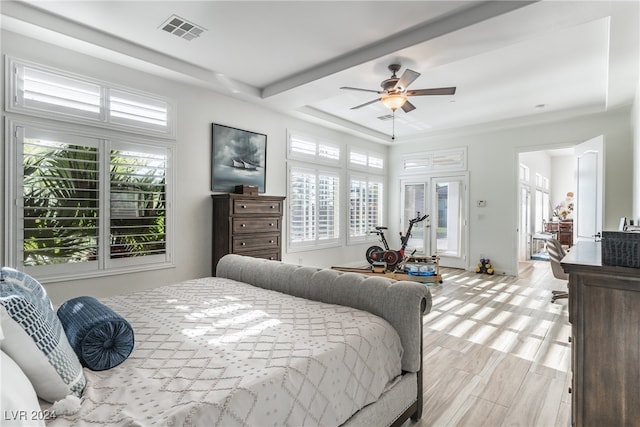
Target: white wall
197	109
492	165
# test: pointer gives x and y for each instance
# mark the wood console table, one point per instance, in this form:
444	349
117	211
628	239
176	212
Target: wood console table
604	311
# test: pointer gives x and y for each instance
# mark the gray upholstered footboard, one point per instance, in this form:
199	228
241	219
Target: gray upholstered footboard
401	303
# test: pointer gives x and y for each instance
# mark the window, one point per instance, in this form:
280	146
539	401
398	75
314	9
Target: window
309	148
313	207
87	205
435	161
85	200
365	206
359	159
46	92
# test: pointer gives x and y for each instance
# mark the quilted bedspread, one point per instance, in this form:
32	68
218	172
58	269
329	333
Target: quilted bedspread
216	352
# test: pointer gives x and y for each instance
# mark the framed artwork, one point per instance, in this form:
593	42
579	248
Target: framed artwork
239	157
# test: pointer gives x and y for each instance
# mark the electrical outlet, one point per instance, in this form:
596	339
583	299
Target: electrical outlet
482	203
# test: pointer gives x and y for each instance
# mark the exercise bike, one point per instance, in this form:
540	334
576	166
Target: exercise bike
390	256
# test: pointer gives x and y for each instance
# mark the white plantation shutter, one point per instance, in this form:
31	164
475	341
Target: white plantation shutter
442	160
130	109
302	196
357	208
60	199
87	206
328	213
357	158
374	204
360	159
44	91
313	206
365	206
48	91
309	148
138	203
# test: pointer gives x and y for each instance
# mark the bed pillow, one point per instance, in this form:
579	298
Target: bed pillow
101	338
18	399
34	338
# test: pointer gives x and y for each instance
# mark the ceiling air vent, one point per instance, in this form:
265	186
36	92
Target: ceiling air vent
182	28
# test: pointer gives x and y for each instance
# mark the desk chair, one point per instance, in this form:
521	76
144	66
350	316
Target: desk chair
556	253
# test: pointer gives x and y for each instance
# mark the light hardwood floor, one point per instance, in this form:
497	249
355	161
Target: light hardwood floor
496	351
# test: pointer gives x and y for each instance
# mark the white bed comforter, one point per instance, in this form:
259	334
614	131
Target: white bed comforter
216	352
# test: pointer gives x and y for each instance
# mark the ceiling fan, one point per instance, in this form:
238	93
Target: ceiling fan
395	93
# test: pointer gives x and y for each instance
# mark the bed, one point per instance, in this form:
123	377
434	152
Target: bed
264	343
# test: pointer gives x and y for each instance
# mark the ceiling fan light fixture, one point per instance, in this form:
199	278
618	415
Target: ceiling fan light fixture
393	101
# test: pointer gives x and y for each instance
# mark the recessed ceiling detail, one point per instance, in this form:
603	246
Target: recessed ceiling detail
182	28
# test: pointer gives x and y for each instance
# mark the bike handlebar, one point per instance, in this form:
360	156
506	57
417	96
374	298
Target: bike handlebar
418	219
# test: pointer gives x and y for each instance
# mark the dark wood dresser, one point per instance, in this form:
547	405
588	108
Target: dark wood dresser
247	225
604	311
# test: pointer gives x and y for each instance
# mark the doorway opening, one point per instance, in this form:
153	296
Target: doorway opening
546	181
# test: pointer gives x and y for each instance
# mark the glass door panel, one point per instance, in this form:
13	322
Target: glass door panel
447	215
414	202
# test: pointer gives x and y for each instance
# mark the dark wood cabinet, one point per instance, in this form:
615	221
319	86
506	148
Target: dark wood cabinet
562	231
247	225
604	311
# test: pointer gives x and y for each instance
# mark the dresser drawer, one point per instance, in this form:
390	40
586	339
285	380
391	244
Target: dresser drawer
256	225
265	207
265	254
242	244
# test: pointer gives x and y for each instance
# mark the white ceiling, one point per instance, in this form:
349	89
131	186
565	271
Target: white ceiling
505	58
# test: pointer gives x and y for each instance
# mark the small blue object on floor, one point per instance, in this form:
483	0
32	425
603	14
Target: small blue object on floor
100	337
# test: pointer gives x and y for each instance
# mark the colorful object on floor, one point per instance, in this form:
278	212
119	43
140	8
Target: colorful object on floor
484	266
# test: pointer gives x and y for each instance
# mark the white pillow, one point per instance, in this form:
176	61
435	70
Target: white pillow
34	338
19	402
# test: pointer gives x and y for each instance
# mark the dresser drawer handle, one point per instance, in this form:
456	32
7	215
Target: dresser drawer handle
270	224
243	225
273	207
270	241
244	206
272	258
243	244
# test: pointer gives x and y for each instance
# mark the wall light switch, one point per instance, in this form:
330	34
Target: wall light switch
482	203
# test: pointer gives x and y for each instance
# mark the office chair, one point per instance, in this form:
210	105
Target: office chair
556	253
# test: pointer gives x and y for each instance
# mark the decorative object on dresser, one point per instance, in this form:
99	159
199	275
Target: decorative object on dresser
237	157
605	338
247	225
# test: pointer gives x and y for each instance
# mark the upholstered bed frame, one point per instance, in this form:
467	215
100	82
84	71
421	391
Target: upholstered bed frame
401	303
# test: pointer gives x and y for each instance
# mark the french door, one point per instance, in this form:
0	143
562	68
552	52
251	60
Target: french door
444	232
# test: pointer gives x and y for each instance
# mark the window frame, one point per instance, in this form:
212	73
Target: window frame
105	141
367	236
16	102
317	242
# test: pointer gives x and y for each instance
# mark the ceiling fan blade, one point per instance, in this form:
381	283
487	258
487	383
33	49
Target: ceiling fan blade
365	104
434	91
362	90
407	78
407	107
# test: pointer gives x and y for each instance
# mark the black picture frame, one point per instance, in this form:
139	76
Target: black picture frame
238	157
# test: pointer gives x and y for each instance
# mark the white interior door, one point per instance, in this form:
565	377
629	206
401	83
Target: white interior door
588	215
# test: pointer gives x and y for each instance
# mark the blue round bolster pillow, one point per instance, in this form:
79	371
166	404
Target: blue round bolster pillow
100	337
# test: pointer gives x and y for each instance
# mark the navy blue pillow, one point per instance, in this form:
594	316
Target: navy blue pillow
100	337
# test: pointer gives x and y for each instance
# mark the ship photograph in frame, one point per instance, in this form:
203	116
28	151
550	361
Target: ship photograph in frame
239	157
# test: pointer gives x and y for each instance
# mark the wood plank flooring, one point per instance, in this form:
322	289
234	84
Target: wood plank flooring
496	351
